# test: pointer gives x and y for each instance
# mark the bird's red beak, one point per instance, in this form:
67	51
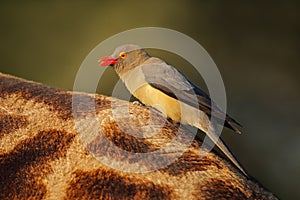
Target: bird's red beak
107	60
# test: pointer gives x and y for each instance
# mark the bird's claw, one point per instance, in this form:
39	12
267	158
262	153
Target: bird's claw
137	103
152	109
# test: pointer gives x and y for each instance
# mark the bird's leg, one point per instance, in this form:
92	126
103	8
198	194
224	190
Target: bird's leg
152	109
155	110
158	109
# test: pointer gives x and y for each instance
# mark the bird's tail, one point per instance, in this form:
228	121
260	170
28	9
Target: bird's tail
223	147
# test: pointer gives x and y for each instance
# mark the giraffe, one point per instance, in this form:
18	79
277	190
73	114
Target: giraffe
42	155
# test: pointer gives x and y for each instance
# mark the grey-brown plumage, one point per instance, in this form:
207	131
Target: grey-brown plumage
157	84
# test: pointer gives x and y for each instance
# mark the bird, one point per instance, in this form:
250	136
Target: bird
157	84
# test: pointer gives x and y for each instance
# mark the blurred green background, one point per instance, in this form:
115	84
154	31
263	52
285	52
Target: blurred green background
255	44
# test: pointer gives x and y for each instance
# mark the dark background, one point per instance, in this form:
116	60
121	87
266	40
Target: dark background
255	45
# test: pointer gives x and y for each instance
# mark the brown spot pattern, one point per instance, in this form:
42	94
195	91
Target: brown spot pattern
59	100
107	184
189	162
20	168
123	140
221	189
11	123
113	142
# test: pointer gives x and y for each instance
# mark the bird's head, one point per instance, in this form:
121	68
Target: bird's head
125	58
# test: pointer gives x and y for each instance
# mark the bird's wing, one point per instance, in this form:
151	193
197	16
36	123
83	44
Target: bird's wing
167	79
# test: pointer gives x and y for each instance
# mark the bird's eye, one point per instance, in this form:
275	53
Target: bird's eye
122	55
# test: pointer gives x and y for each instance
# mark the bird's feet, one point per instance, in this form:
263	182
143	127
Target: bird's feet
156	109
